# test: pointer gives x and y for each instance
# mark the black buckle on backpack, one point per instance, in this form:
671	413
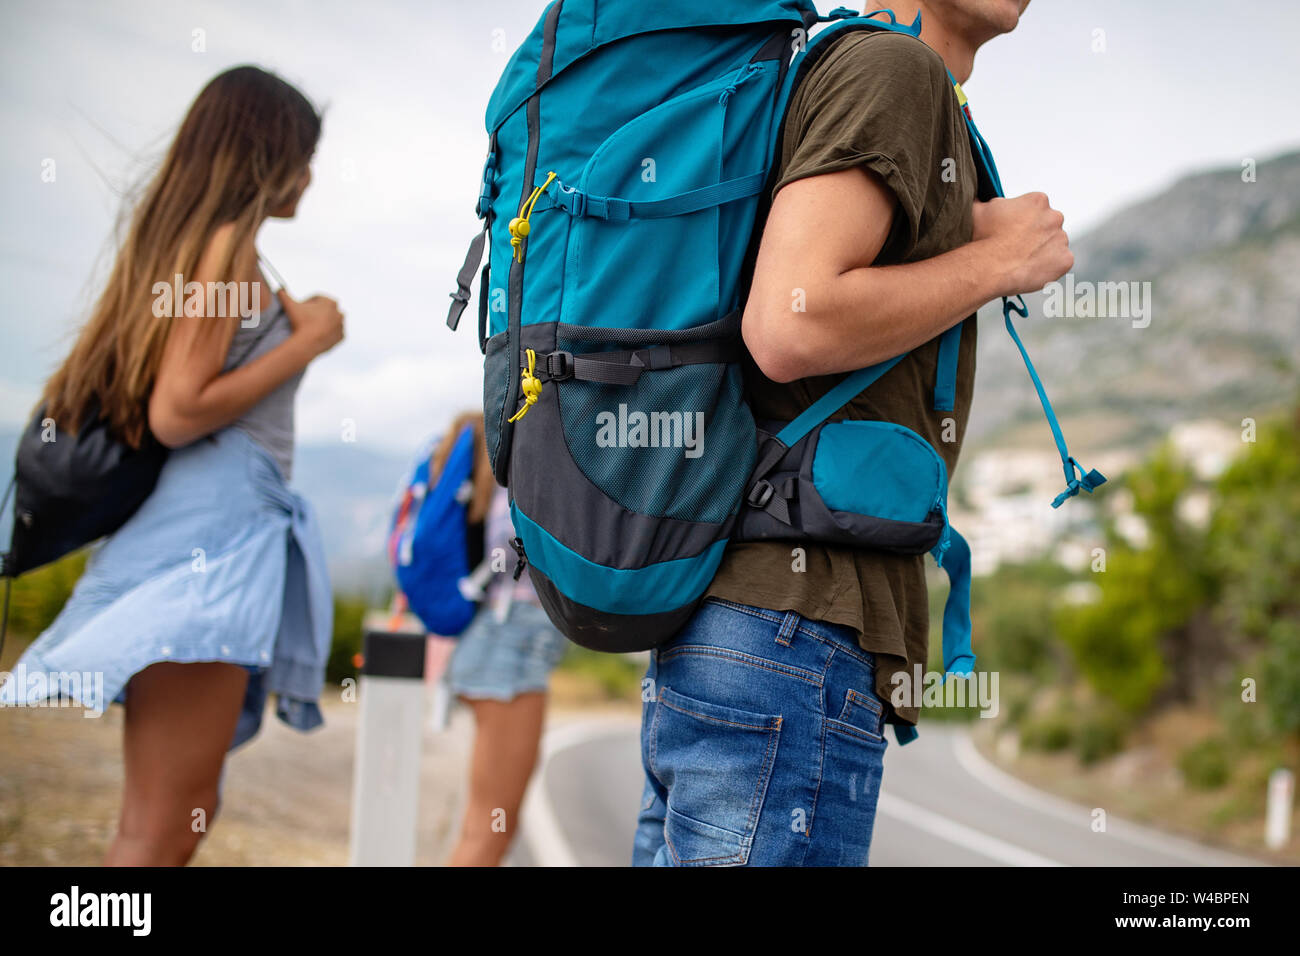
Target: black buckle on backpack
761	493
559	365
518	544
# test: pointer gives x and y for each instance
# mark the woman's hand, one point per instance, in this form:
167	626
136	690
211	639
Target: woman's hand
317	321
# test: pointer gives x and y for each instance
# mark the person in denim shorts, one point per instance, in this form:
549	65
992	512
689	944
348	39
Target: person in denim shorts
501	669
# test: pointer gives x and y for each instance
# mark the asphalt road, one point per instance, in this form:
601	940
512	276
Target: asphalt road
942	805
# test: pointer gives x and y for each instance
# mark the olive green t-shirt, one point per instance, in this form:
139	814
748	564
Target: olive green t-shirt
882	101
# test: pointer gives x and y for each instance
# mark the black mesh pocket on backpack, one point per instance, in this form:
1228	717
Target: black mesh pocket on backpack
678	443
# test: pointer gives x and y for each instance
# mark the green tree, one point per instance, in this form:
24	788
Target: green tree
1149	595
1012	617
39	595
1255	554
349	612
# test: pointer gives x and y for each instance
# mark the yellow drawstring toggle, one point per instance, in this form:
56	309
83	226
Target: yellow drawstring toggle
531	384
519	226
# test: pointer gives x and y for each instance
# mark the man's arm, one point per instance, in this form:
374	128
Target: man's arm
821	237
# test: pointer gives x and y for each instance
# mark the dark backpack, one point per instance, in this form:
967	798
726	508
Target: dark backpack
70	490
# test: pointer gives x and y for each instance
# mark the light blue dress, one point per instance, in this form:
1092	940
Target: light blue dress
223	562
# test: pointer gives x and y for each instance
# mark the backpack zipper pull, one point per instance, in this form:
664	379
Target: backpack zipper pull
531	386
518	545
520	226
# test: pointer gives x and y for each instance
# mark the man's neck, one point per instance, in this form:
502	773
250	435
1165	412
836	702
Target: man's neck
958	54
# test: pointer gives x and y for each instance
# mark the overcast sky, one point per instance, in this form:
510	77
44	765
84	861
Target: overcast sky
100	87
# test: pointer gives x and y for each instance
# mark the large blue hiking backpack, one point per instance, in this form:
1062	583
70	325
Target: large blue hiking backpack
630	151
427	541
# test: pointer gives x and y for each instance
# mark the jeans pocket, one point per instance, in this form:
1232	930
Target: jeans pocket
715	762
861	715
852	766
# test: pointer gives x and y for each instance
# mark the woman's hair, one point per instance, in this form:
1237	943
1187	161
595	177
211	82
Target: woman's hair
484	483
238	155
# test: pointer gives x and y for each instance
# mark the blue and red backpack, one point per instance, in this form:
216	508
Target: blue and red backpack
428	543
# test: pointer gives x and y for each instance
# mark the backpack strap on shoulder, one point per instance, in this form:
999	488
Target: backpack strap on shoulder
844	13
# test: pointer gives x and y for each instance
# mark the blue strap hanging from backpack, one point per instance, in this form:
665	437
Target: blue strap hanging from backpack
1076	478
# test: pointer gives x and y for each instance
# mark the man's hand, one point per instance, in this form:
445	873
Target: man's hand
1028	241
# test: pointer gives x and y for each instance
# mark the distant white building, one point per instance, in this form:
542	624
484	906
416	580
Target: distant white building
1010	518
1208	445
1008	493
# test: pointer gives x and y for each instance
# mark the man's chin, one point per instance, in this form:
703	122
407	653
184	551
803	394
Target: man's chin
1000	16
981	20
1014	9
1004	15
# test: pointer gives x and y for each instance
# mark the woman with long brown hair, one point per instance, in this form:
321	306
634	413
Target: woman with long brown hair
214	593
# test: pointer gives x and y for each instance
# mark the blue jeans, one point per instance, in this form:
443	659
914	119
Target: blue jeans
762	743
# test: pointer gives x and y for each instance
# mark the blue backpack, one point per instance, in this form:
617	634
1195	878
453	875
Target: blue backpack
427	544
630	150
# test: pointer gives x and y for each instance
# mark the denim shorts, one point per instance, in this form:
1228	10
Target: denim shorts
500	661
762	743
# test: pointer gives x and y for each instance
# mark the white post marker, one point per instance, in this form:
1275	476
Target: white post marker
386	777
1281	794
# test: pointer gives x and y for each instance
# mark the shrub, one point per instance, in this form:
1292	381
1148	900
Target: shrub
1204	765
346	643
1100	735
1052	733
617	675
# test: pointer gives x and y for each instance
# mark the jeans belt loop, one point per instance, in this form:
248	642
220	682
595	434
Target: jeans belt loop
786	631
